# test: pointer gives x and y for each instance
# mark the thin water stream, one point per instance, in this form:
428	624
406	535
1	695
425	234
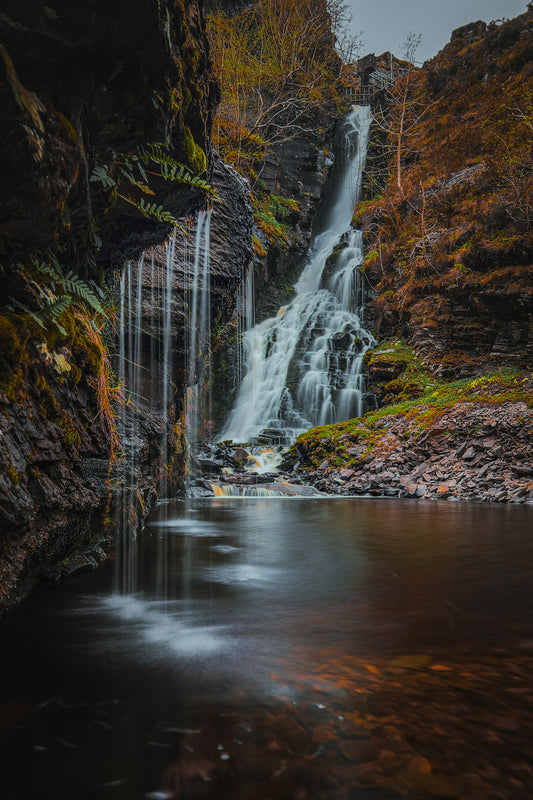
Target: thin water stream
260	666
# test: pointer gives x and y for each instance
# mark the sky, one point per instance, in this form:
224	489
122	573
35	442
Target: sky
386	23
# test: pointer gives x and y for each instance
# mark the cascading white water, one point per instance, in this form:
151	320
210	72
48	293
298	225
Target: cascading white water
197	397
170	247
128	372
138	369
245	307
304	366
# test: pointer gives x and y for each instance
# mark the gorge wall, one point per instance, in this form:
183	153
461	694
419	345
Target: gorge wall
449	273
86	90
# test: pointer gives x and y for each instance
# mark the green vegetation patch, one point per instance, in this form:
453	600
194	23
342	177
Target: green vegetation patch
397	373
351	443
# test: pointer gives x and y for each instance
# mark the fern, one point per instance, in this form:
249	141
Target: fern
154	152
132	170
53	311
156	212
73	286
179	173
101	175
127	172
170	169
48	313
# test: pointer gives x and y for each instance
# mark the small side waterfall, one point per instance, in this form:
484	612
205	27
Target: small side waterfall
145	371
304	366
245	318
128	373
165	305
166	375
198	393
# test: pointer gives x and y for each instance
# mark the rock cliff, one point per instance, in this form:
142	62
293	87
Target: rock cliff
449	241
100	102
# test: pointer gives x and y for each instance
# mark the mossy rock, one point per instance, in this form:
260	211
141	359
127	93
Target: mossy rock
192	154
13	336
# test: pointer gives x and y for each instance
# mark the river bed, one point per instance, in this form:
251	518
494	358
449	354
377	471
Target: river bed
282	648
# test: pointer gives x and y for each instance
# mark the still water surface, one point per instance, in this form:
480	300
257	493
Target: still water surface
230	655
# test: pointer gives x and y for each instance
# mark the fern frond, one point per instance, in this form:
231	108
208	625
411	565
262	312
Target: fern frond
134	182
48	314
73	286
76	287
54	310
100	174
154	152
156	212
25	310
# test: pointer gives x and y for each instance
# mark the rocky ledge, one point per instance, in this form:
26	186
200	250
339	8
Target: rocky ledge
476	451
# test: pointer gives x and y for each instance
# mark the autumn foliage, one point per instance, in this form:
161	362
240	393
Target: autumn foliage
278	66
450	246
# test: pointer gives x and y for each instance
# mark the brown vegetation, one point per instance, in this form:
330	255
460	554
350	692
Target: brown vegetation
451	240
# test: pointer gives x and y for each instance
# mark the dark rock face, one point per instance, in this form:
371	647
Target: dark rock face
231	258
82	85
231	228
299	168
54	455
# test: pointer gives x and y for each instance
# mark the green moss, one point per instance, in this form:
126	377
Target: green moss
12	474
75	374
14	335
13	384
192	154
350	443
48	401
187	97
397	373
71	435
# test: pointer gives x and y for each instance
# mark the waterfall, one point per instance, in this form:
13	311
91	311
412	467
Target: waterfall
144	369
197	395
281	489
245	307
304	366
166	305
129	374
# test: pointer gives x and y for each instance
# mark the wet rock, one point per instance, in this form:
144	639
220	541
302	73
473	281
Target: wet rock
212	465
200	490
470	472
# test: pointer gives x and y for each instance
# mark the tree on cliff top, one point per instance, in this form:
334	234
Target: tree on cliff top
278	69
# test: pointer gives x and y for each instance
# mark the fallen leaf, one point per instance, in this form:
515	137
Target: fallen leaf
416	661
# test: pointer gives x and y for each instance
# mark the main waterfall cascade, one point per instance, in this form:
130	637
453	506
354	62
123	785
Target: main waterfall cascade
304	366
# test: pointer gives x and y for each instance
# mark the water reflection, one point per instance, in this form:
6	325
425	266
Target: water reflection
258	657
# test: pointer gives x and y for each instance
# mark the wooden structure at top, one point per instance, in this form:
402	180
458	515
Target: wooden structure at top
372	76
